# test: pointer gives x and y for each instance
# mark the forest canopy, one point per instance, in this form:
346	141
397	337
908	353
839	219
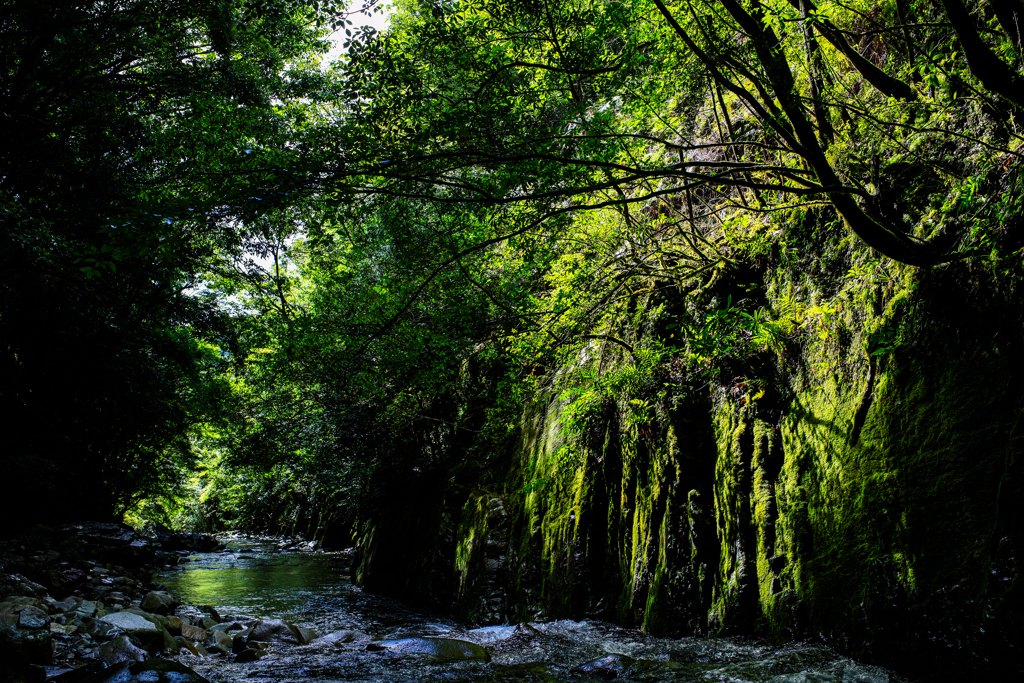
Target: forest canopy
234	274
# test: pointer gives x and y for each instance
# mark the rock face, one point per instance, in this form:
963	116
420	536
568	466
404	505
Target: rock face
860	499
439	650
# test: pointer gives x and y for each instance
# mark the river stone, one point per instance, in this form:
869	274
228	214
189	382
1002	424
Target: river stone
33	618
151	636
339	638
184	643
273	631
304	635
15	603
193	632
612	666
209	622
247	656
210	611
150	671
222	639
86	608
159	602
174	625
121	650
238	644
439	650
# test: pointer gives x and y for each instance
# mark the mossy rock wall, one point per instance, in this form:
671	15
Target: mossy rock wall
892	537
870	504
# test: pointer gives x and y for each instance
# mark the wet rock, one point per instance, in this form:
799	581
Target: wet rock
151	671
17	584
183	643
193	632
33	618
304	635
273	631
439	650
15	603
159	602
339	638
211	612
209	622
222	640
86	608
121	650
608	668
150	635
174	625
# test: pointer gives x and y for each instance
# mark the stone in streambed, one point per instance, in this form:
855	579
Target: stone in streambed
121	650
304	635
149	634
273	631
439	650
193	632
184	643
159	602
33	618
221	640
151	671
339	638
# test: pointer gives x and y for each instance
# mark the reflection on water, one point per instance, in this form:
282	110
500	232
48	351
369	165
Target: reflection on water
255	578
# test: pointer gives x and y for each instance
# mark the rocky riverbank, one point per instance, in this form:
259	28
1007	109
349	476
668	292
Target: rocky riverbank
77	601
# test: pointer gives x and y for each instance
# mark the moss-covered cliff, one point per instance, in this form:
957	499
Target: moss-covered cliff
860	487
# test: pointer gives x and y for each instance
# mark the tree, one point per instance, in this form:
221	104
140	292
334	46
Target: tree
544	104
140	138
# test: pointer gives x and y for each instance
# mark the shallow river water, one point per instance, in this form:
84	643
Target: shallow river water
260	579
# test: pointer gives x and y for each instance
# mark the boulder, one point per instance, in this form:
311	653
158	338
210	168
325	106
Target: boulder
159	602
273	631
185	644
222	640
86	608
149	634
150	671
247	656
33	618
193	632
16	584
210	611
121	650
174	625
15	603
438	650
304	635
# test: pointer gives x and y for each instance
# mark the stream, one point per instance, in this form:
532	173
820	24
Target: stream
262	579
